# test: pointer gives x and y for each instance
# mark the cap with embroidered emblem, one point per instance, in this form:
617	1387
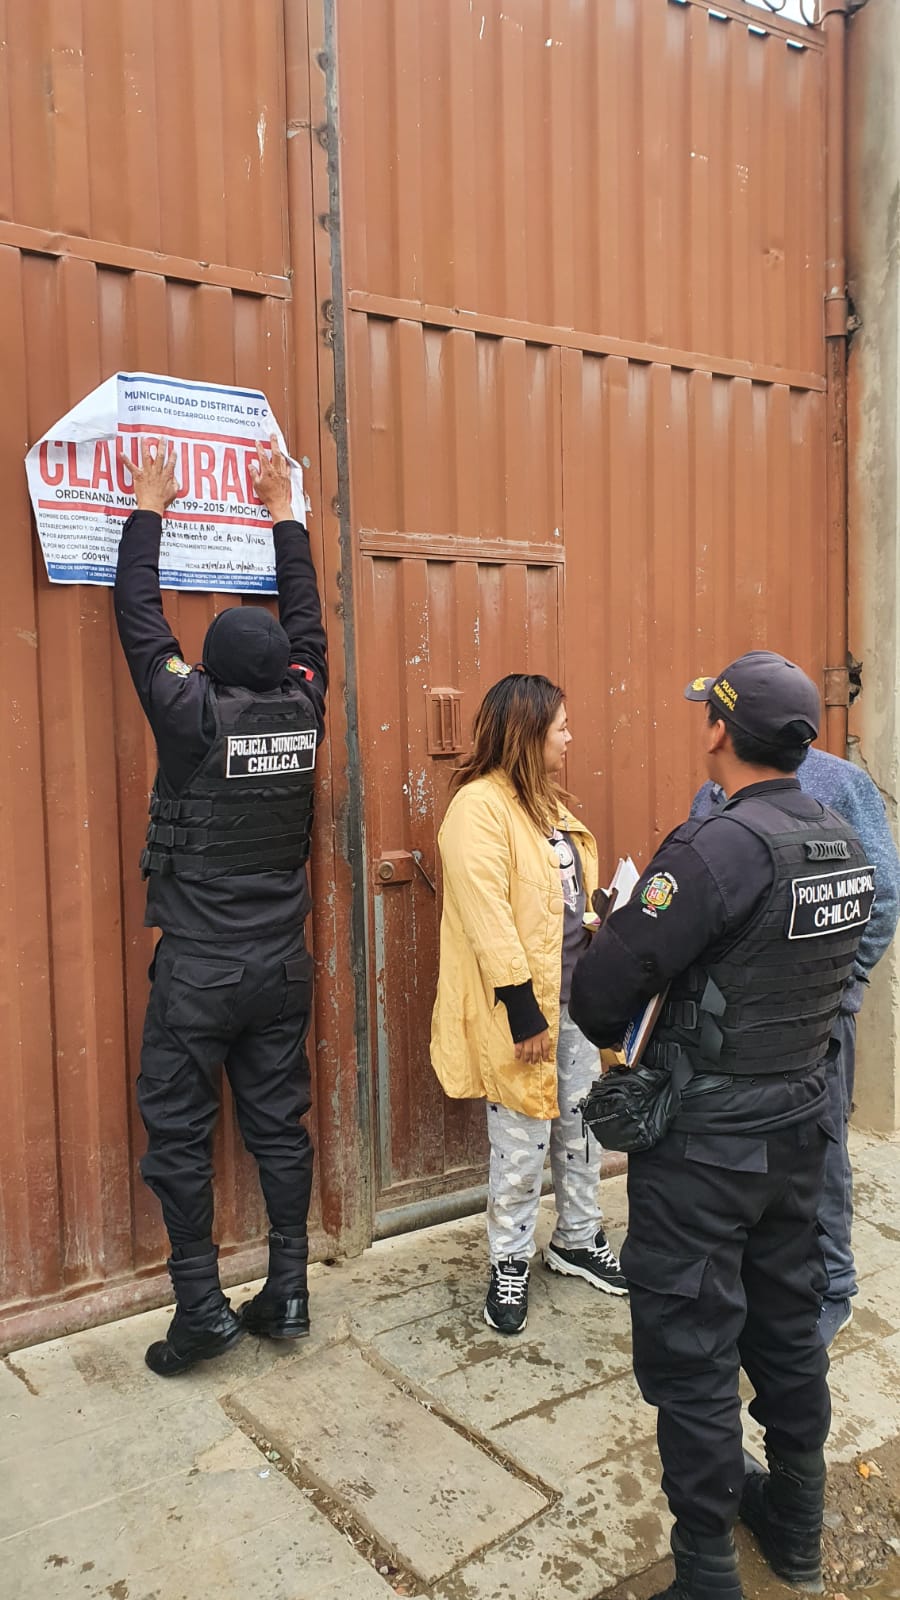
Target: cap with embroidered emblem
762	694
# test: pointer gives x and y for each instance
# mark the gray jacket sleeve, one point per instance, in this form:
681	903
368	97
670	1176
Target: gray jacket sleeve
707	800
863	808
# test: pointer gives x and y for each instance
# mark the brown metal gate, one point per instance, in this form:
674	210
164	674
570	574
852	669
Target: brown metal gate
539	291
156	215
584	256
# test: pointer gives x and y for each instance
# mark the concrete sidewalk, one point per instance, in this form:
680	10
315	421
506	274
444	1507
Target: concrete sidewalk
403	1448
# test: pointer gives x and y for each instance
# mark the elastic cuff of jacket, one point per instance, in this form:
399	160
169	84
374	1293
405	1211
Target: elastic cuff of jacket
525	1015
144	511
290	522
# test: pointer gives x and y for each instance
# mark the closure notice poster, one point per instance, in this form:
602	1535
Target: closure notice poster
216	535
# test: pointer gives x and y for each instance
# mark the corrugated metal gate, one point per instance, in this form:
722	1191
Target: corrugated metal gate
584	255
561	265
155	215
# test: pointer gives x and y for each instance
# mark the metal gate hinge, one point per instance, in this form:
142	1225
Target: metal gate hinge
837	314
837	686
843	684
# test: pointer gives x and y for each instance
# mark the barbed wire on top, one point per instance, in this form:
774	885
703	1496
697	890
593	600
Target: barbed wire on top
808	10
811	11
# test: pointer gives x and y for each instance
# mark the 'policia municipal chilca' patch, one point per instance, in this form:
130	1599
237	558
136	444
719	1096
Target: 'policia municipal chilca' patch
260	755
831	902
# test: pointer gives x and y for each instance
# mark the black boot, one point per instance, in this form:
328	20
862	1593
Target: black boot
705	1568
784	1508
281	1309
204	1324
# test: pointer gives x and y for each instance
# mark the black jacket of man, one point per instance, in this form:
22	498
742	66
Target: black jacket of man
176	703
722	1257
721	876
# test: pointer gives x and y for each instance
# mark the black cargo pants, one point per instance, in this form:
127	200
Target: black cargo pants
247	1006
725	1271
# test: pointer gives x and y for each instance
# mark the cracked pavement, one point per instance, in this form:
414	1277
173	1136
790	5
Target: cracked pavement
405	1448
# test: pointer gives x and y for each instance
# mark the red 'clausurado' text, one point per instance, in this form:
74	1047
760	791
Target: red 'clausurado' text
204	471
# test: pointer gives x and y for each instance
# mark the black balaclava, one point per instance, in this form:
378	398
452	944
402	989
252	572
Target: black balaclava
247	647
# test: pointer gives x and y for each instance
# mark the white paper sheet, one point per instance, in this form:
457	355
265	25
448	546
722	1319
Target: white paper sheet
217	535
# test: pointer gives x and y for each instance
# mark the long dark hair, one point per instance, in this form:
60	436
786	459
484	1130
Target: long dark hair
510	728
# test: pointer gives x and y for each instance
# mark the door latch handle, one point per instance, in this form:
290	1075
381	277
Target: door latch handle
401	866
417	858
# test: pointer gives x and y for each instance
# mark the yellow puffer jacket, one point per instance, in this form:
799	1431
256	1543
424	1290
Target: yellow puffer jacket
502	923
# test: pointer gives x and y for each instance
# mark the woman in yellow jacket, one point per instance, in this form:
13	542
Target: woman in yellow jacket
519	870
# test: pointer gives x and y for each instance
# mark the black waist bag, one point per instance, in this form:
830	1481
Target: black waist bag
632	1108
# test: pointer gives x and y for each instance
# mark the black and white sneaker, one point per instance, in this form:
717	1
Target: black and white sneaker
598	1265
506	1306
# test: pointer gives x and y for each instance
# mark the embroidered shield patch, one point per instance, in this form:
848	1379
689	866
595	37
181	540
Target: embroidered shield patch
658	893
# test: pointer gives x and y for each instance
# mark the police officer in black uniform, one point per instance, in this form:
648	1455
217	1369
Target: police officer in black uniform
752	918
225	863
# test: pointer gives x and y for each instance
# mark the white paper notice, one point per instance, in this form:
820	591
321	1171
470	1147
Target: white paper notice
216	535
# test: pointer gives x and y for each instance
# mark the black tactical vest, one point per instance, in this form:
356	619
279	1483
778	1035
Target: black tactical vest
767	1003
249	805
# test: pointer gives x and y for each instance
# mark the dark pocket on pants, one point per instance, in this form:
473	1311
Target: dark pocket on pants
298	986
673	1319
731	1151
202	994
664	1274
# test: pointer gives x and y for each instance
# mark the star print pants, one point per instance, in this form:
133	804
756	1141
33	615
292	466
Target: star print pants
519	1147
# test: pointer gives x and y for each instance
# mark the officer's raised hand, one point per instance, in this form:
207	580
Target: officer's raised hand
155	484
272	481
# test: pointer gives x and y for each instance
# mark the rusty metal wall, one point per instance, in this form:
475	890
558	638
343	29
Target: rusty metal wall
719	483
648	171
455	622
149	127
153	215
455	459
537	289
584	257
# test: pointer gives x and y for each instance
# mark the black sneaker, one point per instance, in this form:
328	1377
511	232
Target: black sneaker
506	1306
598	1265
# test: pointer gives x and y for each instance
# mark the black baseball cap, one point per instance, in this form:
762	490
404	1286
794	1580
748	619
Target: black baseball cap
762	694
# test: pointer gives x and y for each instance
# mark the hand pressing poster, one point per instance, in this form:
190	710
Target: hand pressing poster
216	535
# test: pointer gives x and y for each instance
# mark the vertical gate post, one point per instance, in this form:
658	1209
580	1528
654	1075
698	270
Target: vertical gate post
837	679
342	1077
873	248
